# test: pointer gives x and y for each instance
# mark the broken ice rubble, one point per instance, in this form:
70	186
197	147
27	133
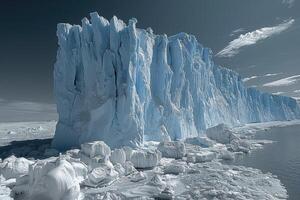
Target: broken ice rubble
97	172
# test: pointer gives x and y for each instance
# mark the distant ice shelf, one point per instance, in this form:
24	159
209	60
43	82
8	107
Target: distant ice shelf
124	85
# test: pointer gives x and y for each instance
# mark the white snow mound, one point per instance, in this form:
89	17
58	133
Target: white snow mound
175	149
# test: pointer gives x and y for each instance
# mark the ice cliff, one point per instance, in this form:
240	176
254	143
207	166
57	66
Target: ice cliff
123	85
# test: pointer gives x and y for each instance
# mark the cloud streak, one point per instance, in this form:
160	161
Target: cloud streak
237	31
284	82
289	3
255	77
251	38
249	78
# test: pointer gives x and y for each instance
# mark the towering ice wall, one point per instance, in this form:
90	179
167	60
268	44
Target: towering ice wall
117	83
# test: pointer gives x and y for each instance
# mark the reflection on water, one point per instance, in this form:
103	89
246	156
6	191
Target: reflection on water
282	158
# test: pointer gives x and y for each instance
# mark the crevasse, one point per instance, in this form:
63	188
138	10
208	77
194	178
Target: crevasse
124	85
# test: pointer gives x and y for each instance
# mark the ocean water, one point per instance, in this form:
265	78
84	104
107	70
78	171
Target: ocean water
281	158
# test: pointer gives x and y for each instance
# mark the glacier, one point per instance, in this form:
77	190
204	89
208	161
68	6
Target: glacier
124	85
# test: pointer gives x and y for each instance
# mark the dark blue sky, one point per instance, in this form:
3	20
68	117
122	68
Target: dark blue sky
28	37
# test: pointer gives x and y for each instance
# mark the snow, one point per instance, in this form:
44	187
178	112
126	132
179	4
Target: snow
101	176
139	176
145	158
175	149
51	180
96	148
221	133
156	180
181	178
128	152
226	155
199	157
123	85
174	168
13	167
118	156
201	141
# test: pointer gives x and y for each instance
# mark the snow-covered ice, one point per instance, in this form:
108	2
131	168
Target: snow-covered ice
203	178
200	141
221	133
96	148
145	158
13	167
174	149
118	156
51	180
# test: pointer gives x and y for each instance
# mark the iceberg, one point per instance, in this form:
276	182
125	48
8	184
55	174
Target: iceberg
123	85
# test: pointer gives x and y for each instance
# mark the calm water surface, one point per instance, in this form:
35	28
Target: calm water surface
281	158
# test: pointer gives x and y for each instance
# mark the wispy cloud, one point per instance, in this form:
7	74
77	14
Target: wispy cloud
255	77
237	31
251	38
249	78
283	82
269	75
297	91
278	93
289	3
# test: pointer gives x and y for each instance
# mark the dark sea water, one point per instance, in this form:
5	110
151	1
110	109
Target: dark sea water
281	158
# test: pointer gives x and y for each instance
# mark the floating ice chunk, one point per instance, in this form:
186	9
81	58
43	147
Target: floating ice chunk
156	180
128	151
52	181
11	132
174	168
101	176
107	195
118	156
239	145
96	148
191	158
167	194
96	161
175	149
204	156
145	158
81	169
95	154
129	168
74	153
13	167
120	169
221	133
200	141
139	176
226	155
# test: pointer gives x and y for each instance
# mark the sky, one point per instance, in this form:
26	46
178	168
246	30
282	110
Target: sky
260	39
